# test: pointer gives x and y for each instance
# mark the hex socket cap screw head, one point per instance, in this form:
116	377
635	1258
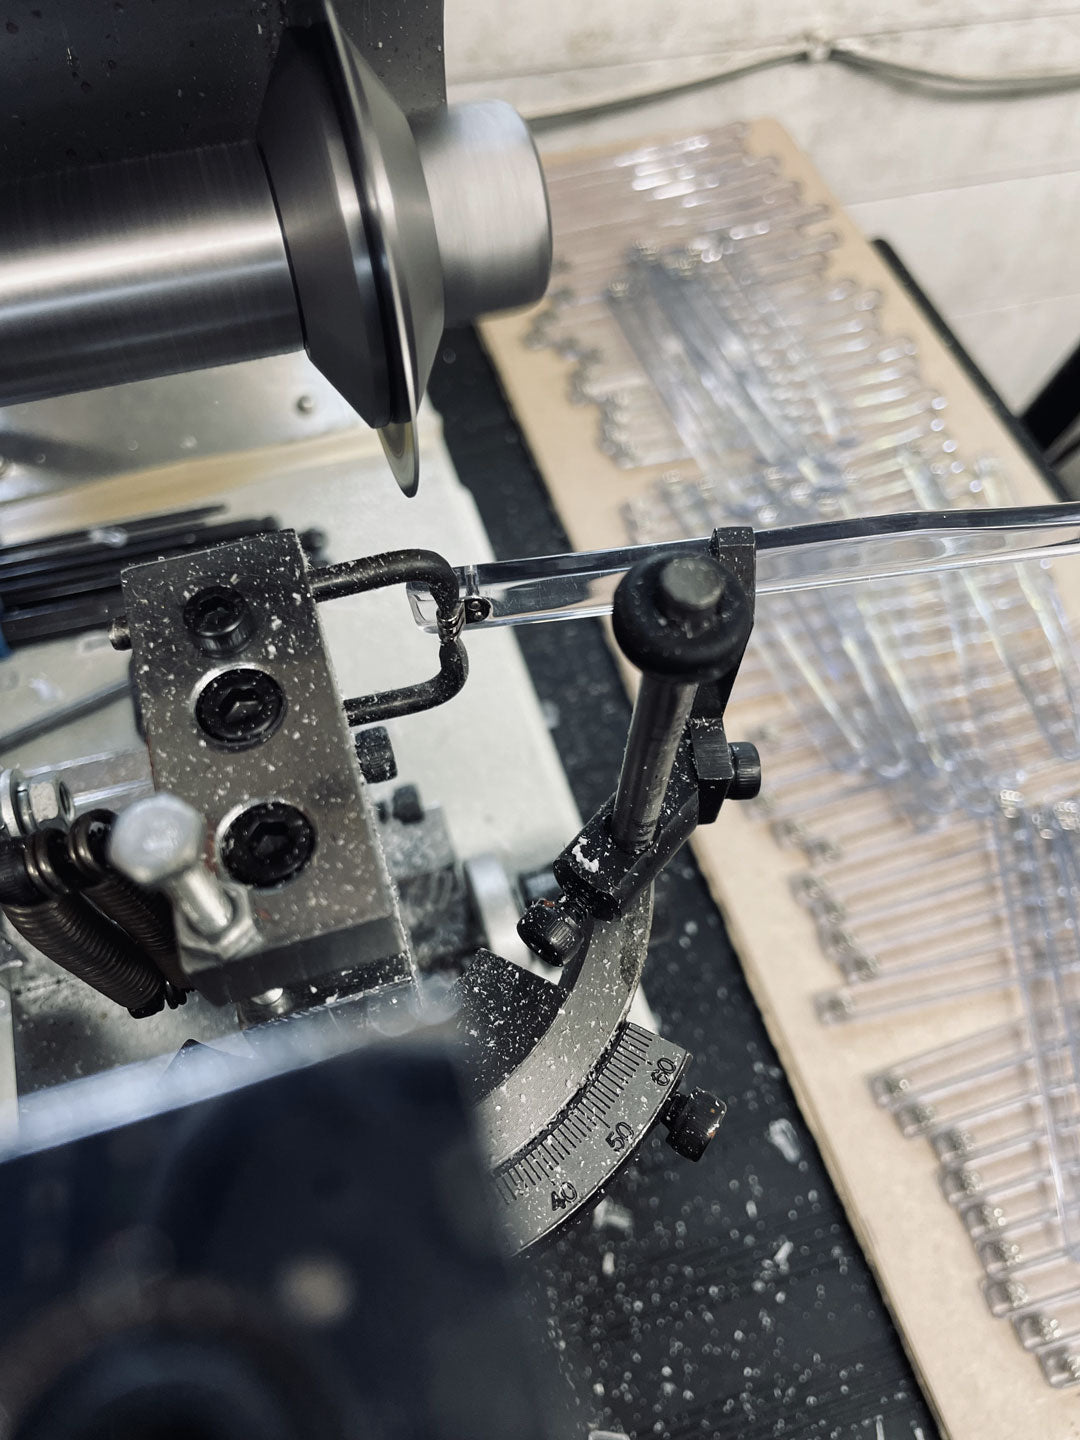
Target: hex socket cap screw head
219	620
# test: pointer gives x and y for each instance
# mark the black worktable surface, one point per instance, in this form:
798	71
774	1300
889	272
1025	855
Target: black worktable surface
729	1298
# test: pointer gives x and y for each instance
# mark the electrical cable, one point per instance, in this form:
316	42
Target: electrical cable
602	108
955	86
943	84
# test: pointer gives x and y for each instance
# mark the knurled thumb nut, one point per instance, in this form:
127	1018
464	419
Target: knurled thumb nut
693	1117
554	930
746	765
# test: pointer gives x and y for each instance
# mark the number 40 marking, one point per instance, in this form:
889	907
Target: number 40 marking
562	1195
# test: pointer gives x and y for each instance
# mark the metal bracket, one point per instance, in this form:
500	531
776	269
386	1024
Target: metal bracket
605	876
403	567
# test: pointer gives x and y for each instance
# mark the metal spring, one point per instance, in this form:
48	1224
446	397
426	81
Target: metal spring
72	934
145	917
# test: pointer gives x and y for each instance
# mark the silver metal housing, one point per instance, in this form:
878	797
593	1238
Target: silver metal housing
144	267
490	207
339	913
344	228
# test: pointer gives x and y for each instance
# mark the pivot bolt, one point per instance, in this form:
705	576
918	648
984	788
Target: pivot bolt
555	930
689	588
746	765
219	620
693	1117
159	842
268	844
240	708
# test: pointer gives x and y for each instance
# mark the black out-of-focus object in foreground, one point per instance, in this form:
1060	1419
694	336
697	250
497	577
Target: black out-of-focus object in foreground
307	1255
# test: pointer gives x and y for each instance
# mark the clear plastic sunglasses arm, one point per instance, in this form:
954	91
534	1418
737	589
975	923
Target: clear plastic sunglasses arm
797	557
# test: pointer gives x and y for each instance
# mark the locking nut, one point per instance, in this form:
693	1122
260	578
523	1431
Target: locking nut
29	804
406	805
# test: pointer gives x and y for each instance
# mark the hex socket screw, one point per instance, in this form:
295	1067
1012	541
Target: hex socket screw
159	842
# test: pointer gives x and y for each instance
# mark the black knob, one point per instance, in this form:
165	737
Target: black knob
693	1117
220	620
375	754
687	619
555	930
746	764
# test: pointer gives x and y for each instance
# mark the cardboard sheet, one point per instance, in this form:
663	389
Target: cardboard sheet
981	1383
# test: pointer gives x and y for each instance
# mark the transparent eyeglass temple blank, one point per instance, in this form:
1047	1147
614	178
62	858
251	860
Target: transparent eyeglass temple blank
794	558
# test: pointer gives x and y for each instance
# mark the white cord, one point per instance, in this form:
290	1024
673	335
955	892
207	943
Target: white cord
942	84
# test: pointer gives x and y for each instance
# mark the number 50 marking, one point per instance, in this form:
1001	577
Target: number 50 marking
621	1136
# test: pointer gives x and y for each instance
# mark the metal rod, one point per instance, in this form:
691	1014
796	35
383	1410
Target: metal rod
89	541
687	592
60	618
660	714
65	714
42	583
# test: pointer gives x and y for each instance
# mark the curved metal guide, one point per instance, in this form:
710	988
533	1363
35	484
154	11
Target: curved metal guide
601	1128
565	1089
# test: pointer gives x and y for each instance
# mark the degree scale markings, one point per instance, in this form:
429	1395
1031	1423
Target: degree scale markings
597	1133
